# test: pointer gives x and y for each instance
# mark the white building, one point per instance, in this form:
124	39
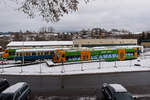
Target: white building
39	44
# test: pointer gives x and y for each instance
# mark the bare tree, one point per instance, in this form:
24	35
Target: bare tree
50	10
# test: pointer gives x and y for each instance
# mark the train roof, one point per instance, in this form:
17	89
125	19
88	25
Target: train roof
40	50
127	46
34	50
104	48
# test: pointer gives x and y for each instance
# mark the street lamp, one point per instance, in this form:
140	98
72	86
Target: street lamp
22	58
40	67
100	63
115	63
2	65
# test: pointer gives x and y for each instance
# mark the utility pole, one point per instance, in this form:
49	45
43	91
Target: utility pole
100	63
62	68
2	65
22	58
82	67
115	64
40	67
130	63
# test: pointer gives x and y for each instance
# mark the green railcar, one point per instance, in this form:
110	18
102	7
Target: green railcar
107	55
129	54
73	56
94	54
9	54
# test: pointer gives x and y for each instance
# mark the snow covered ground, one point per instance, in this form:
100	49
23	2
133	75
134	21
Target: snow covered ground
140	64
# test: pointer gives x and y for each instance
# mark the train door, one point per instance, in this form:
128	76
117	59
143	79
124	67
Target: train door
56	55
121	54
60	56
85	55
135	52
6	53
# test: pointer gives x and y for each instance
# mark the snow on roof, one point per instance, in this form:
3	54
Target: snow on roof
14	87
118	87
40	43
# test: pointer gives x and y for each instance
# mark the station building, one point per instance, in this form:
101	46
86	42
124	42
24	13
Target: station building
145	43
39	44
103	42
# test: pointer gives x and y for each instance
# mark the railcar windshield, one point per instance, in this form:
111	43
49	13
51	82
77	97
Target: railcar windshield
58	55
123	96
6	97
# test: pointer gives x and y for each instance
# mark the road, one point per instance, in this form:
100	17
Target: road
135	82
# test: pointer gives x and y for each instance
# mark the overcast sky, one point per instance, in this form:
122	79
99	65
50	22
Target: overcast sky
133	15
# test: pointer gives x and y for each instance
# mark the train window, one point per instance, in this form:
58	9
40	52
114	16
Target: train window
39	53
30	53
21	54
36	53
27	54
46	53
49	53
63	55
18	54
43	53
52	52
11	53
33	54
6	51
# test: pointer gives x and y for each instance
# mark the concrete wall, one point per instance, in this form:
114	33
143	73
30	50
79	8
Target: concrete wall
145	44
103	42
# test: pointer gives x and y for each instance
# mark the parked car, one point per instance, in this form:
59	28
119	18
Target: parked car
3	84
115	92
18	91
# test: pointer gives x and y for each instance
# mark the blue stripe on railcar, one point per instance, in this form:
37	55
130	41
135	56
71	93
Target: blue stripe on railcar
31	58
139	51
